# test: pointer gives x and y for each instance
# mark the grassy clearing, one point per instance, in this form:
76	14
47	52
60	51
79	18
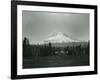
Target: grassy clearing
56	61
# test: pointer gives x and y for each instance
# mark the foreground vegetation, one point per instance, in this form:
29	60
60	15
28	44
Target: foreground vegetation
46	55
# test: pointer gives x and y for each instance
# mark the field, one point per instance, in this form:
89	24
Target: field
56	61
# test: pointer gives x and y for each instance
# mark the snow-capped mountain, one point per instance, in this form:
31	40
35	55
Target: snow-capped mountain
59	37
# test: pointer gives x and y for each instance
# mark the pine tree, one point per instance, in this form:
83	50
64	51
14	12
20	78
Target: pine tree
26	48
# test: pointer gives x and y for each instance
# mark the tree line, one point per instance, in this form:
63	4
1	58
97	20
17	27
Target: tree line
49	50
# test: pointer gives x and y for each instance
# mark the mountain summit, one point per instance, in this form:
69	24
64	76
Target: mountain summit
59	37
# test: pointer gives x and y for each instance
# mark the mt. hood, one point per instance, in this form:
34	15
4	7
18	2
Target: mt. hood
59	37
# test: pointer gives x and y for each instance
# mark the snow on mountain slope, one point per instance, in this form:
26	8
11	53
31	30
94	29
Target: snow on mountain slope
59	37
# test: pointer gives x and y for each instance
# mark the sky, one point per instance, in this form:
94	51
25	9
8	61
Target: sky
37	25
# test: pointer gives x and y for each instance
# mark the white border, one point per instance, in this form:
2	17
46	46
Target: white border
21	71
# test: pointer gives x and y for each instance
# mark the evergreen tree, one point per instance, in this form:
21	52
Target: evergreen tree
26	48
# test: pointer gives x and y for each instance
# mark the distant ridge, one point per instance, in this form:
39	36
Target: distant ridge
59	37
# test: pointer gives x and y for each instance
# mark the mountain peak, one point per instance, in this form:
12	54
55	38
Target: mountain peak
59	37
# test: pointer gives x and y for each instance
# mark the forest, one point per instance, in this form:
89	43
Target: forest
36	50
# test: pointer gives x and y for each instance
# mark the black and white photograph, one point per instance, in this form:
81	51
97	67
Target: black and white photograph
53	39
